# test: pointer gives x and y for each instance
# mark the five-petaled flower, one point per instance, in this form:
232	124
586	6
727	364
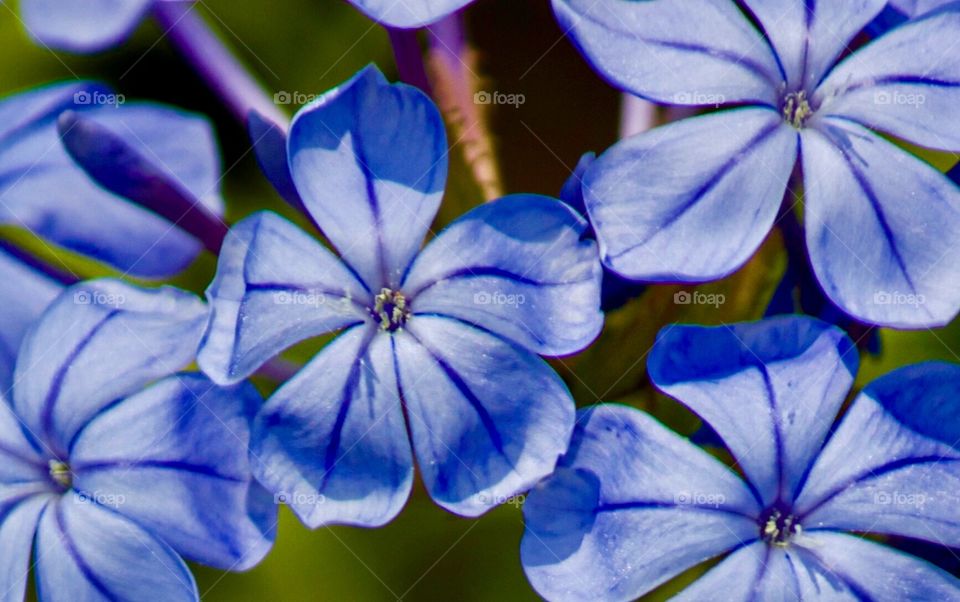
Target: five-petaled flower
693	200
633	504
438	346
113	465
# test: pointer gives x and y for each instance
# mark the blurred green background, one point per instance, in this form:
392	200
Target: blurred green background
308	46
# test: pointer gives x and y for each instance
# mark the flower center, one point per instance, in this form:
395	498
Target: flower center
390	310
779	528
60	473
796	109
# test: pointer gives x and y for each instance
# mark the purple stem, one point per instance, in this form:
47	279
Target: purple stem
455	85
225	75
409	57
636	115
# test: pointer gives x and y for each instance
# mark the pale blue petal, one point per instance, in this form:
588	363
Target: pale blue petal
44	190
409	14
22	458
907	82
882	228
913	8
771	574
631	505
25	293
98	342
695	52
18	525
369	160
174	458
808	36
893	465
275	286
488	419
331	443
691	201
518	267
871	571
87	552
770	389
82	27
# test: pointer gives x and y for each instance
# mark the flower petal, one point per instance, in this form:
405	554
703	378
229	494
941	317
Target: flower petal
631	505
764	572
808	37
18	525
25	293
82	27
882	228
174	459
275	286
906	83
36	172
270	145
332	443
369	160
826	566
488	419
180	145
893	465
87	552
770	389
98	342
517	267
872	571
913	8
696	52
20	459
684	227
409	14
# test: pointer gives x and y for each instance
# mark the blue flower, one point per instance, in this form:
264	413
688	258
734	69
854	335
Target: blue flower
82	27
633	504
44	190
409	14
438	346
692	201
114	465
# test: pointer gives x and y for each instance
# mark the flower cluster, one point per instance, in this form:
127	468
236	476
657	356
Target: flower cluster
132	439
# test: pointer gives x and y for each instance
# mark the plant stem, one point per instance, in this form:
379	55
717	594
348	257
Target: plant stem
215	63
451	65
636	115
409	57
